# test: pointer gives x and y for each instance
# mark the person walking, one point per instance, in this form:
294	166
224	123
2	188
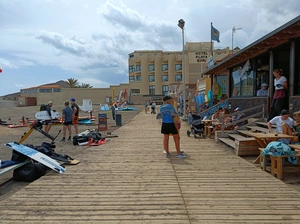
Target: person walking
75	114
67	121
168	113
48	123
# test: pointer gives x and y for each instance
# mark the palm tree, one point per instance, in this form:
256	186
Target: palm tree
73	83
85	85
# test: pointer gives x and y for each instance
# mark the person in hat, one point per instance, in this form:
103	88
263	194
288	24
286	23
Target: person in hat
239	116
168	126
75	115
48	123
263	91
283	122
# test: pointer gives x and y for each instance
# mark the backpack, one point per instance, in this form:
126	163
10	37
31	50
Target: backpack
29	172
43	107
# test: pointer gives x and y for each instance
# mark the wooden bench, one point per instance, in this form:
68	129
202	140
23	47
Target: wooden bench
9	168
276	163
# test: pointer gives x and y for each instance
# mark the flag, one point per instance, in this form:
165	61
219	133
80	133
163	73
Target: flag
215	34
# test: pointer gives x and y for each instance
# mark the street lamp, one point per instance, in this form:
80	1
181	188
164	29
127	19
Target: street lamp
181	23
233	31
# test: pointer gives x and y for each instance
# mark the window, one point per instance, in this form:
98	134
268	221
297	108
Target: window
151	68
131	78
56	90
46	90
178	67
262	71
164	67
131	68
151	78
131	55
165	90
135	90
165	78
242	80
178	78
138	68
151	90
138	78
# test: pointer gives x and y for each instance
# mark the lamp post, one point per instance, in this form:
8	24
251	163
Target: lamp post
233	31
181	24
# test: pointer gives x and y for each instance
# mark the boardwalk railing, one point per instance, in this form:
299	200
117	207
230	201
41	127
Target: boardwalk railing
261	112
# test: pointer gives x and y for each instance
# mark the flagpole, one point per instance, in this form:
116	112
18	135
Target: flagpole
211	42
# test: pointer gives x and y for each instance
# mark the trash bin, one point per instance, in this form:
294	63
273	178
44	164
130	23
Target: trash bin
119	119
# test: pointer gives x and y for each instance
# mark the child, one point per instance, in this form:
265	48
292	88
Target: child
168	113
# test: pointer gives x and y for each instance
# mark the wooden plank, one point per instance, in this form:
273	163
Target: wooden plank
264	124
228	142
240	137
129	180
256	128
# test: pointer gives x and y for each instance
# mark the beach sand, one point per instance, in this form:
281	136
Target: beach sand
8	110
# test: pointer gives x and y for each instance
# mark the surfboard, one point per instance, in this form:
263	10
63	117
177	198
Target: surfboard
202	98
37	156
220	94
43	115
210	98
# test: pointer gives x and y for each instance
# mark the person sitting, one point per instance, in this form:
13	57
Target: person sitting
224	116
215	117
239	116
283	123
263	91
295	130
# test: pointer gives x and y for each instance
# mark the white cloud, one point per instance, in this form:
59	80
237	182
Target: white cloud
90	40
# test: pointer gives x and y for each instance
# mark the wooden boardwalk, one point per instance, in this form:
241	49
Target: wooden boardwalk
129	180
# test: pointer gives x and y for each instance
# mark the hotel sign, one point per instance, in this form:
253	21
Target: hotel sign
201	56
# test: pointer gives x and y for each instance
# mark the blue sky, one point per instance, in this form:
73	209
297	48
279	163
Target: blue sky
43	41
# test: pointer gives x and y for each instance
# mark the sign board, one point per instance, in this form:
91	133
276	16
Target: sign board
102	122
210	62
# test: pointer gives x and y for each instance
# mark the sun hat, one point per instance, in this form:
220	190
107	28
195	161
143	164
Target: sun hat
73	99
165	98
284	112
50	102
264	84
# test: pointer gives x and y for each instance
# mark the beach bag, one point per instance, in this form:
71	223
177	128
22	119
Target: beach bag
29	172
80	139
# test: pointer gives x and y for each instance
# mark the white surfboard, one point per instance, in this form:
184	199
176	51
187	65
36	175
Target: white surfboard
43	115
37	156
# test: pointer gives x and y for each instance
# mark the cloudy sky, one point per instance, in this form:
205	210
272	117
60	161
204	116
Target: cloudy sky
43	41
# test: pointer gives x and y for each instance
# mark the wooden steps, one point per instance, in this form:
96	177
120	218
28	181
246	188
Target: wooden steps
228	141
257	128
264	124
240	137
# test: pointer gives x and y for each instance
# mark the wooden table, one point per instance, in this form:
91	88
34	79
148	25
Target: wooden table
207	122
264	139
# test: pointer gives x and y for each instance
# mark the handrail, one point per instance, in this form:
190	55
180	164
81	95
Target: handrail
222	118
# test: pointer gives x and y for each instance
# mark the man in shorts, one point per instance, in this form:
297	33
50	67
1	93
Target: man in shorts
48	123
168	113
75	115
67	113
